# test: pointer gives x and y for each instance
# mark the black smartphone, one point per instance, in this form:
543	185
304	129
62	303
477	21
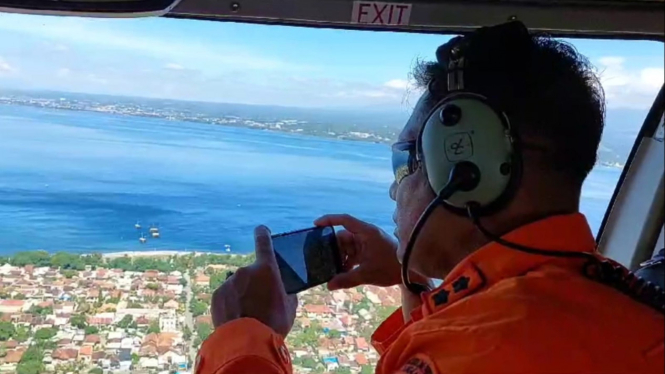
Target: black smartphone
307	258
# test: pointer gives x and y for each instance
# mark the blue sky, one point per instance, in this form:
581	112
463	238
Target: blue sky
257	64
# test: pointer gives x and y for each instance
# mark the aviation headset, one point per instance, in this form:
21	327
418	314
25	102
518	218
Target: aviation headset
472	158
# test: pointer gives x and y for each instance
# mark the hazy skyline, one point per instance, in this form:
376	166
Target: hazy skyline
259	64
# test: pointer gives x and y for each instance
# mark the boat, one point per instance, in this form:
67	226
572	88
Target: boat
227	247
137	225
143	239
155	234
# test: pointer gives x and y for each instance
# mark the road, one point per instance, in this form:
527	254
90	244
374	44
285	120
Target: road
189	319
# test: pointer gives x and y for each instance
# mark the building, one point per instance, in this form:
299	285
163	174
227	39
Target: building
168	323
12	306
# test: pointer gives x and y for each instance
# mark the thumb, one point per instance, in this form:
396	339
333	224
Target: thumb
263	246
351	278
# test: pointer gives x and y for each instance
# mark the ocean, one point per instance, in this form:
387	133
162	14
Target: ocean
80	181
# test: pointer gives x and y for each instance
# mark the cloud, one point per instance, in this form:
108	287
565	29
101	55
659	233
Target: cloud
626	88
5	67
402	84
174	66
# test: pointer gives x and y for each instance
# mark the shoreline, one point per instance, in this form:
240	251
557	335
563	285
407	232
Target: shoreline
111	255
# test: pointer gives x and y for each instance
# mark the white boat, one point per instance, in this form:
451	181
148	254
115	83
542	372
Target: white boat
155	234
154	229
227	247
143	239
137	225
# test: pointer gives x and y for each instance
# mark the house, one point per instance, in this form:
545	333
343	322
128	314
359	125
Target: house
202	280
150	274
170	357
314	311
361	344
171	304
148	363
62	355
203	319
361	359
92	340
85	354
64	342
13	306
14	356
168	323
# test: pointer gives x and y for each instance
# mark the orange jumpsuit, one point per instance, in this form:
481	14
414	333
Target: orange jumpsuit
498	311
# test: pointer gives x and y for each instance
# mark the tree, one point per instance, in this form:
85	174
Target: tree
366	369
22	334
125	321
309	363
29	367
183	282
342	370
186	333
19	296
217	279
203	330
79	321
334	334
154	328
46	333
36	310
135	359
91	330
96	371
7	330
152	286
198	308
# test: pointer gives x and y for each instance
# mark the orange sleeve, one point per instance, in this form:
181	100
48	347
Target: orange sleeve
243	346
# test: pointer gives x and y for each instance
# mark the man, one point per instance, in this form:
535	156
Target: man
499	310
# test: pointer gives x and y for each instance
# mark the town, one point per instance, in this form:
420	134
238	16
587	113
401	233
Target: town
68	313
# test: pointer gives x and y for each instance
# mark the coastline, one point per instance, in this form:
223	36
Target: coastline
111	255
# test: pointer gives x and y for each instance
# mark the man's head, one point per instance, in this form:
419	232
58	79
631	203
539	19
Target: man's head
556	107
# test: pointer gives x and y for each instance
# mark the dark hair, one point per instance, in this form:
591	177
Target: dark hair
550	93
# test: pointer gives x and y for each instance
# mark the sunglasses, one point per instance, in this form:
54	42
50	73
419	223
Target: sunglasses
405	160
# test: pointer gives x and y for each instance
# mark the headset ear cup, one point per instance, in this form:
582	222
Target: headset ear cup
465	127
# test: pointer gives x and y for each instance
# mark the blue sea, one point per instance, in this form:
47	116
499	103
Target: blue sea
80	181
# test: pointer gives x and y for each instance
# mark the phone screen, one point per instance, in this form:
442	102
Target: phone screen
307	258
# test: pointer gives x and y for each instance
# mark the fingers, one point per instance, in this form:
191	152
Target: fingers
263	247
347	221
349	279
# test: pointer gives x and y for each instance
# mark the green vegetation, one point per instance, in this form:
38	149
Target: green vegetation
91	330
334	334
203	330
217	278
366	369
96	371
154	328
72	261
79	321
152	286
198	308
23	333
7	330
383	312
31	362
36	310
125	321
342	370
186	333
46	333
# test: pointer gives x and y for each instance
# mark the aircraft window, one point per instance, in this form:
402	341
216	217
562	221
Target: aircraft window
168	136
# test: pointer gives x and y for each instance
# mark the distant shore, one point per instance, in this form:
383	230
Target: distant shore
163	253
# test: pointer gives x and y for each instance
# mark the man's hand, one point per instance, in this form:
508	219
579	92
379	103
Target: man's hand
256	291
368	253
